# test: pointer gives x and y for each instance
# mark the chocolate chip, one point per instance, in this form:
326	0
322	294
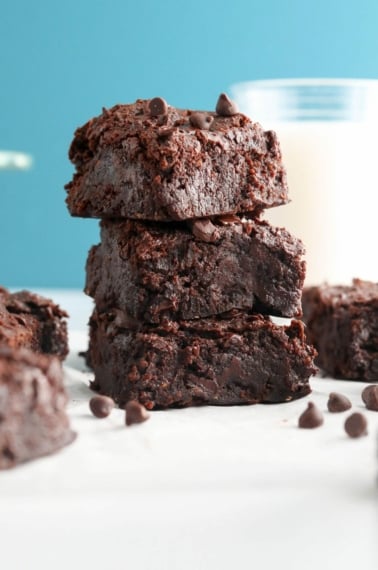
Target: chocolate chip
157	106
338	403
101	406
356	425
200	120
135	413
225	107
205	230
165	132
311	418
370	397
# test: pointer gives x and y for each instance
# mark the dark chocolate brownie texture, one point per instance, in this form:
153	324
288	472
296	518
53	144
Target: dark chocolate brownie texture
342	323
31	321
132	162
152	272
33	420
238	358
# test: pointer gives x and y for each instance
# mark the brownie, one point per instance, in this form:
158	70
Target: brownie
33	420
153	271
342	323
31	321
236	358
173	164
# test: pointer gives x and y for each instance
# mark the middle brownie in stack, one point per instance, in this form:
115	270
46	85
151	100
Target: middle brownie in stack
187	274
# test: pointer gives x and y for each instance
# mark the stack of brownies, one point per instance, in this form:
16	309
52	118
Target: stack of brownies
187	273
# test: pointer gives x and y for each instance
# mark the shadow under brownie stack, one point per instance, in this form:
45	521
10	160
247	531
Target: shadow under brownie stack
187	273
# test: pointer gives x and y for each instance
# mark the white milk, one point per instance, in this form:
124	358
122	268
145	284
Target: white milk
328	129
332	171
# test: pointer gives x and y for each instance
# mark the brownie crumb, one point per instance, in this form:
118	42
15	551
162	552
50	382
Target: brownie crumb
204	230
200	120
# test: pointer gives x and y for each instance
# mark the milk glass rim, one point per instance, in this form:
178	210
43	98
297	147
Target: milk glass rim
306	82
309	99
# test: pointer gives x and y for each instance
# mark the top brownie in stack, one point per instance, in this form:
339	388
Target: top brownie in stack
151	161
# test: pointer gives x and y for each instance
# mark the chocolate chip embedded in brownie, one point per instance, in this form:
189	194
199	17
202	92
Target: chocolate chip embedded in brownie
342	323
152	271
234	359
148	160
33	420
31	321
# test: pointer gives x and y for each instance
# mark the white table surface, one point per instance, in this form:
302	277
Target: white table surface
201	488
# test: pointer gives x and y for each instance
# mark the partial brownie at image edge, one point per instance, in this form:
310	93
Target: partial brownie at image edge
33	418
132	162
152	271
234	359
30	321
342	323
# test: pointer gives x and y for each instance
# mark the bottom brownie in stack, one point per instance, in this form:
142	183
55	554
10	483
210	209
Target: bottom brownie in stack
235	358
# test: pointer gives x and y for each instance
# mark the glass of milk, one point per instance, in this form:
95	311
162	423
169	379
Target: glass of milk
328	129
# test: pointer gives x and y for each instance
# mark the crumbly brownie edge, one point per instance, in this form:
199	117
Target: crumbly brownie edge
238	359
153	271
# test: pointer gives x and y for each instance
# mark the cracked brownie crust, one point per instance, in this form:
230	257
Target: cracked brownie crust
174	165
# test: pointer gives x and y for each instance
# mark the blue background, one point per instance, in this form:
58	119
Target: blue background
62	61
